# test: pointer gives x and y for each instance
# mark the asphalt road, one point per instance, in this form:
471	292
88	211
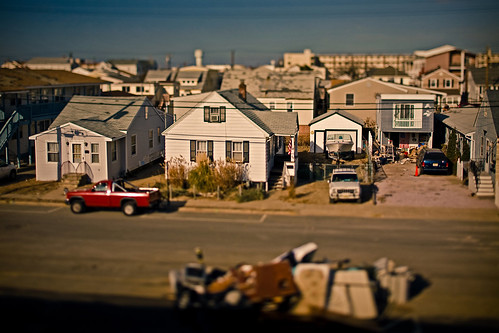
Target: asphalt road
58	269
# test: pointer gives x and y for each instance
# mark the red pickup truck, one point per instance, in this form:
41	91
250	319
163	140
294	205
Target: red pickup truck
113	194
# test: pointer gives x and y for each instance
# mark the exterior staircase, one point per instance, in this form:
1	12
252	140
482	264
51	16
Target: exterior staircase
485	186
74	180
275	180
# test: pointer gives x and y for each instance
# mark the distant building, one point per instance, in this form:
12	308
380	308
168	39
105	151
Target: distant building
196	80
442	80
480	80
63	63
290	90
30	100
134	66
390	74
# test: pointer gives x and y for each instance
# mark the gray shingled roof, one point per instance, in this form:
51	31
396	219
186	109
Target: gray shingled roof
462	119
278	123
108	116
479	75
264	83
157	75
493	98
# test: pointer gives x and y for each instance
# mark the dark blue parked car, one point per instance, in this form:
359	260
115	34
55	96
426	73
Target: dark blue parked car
432	160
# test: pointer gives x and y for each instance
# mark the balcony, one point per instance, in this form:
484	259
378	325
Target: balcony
407	123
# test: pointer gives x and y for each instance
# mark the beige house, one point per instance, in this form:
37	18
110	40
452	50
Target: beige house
444	81
359	97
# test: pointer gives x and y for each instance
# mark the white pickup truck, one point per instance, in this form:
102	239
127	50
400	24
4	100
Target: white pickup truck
344	185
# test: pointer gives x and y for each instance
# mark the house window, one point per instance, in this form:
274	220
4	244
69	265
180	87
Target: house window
349	99
433	83
272	105
146	113
214	115
448	83
52	152
290	106
94	150
133	144
114	152
237	151
151	138
76	152
139	89
125	89
406	115
201	150
159	135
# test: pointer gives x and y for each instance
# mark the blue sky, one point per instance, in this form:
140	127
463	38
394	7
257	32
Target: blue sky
258	31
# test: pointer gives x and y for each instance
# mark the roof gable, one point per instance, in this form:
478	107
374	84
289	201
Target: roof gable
341	113
279	123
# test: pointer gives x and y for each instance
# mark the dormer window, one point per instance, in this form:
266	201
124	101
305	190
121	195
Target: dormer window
214	115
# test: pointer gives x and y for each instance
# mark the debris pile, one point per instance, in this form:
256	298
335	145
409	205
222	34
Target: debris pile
294	283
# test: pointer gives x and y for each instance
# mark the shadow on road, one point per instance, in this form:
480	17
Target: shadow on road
46	313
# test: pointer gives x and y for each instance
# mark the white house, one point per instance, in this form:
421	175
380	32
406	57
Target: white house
233	125
335	122
103	137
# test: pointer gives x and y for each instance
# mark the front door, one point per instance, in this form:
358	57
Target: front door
77	156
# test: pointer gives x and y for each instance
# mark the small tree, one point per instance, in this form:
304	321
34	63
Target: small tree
452	153
466	152
177	171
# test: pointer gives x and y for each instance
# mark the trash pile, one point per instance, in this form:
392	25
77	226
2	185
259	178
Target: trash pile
294	283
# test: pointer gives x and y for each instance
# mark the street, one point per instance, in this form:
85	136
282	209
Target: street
103	255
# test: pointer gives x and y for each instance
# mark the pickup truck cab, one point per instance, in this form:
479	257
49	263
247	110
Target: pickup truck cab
344	185
113	194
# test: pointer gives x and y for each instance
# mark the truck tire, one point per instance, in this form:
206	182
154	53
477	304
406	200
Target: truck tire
129	208
77	206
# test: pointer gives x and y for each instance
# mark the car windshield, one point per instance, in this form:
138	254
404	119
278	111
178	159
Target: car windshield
344	177
434	156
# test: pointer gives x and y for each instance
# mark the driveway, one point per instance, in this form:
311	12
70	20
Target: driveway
400	187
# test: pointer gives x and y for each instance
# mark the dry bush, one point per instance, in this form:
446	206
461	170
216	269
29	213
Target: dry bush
228	175
177	171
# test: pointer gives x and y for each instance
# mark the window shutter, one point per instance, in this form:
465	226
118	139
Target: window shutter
245	151
210	150
228	150
193	150
222	114
207	114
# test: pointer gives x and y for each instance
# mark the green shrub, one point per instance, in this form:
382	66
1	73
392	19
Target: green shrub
250	194
203	177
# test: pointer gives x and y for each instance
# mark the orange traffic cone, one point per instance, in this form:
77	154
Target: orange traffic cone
417	171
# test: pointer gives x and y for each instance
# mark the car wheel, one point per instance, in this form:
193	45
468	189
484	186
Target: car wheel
77	206
129	208
13	175
332	200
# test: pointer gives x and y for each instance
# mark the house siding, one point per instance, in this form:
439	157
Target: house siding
140	127
65	136
334	123
237	127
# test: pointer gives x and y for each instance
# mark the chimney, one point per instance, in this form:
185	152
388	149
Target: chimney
242	90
